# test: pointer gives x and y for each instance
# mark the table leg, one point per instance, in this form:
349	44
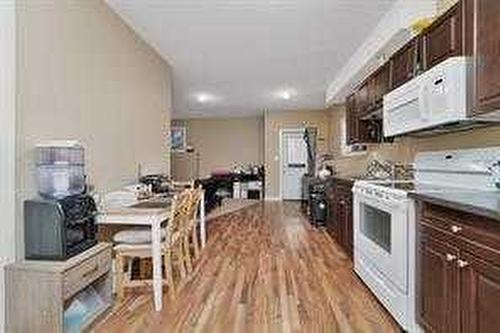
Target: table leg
157	275
203	231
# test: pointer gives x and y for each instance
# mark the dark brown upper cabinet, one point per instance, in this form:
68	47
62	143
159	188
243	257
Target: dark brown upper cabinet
404	63
445	37
351	120
380	85
362	98
486	34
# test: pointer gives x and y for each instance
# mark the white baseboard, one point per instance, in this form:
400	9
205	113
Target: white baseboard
272	199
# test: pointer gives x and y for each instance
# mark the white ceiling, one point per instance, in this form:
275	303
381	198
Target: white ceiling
245	52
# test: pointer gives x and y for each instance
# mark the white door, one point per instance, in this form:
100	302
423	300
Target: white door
293	163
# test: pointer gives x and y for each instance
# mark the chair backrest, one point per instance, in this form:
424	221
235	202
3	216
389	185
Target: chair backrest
179	186
195	203
179	215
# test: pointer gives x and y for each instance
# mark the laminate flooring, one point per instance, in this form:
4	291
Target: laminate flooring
264	269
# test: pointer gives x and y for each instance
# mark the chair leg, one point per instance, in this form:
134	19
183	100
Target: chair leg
181	260
187	254
119	277
196	246
167	261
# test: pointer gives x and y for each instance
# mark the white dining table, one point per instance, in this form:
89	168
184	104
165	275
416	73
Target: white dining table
153	218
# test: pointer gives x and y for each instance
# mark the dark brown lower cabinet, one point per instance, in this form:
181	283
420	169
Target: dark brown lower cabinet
438	302
480	295
458	272
339	224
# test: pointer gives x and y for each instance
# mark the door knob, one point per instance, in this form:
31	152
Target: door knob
462	263
455	229
450	257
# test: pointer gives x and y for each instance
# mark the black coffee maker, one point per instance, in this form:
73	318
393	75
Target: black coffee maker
57	229
160	183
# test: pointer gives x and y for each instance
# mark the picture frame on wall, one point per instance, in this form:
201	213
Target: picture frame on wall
178	139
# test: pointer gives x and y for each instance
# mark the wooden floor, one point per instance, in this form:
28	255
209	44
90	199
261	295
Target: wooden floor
264	270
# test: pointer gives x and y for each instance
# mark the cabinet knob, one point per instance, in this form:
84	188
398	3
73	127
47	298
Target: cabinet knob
462	263
450	257
455	229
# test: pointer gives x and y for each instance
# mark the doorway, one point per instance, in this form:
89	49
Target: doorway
293	163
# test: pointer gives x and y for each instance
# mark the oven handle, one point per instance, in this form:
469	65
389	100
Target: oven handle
377	201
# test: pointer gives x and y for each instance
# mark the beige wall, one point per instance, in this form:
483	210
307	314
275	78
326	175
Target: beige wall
218	143
83	74
273	123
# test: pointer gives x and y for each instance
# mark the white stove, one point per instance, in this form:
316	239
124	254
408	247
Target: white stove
385	223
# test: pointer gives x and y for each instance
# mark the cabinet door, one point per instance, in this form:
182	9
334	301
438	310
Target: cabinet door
487	55
332	224
339	212
437	286
348	225
362	99
351	119
444	38
381	86
403	64
480	295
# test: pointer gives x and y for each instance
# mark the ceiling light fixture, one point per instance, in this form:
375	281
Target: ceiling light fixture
285	94
205	98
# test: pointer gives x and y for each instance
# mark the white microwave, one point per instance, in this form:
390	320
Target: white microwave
440	96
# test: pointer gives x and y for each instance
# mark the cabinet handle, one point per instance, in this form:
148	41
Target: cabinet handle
462	263
455	229
91	271
450	257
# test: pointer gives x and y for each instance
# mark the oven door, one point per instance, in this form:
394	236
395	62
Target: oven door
381	236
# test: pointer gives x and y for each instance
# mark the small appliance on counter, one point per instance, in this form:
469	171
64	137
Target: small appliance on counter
57	229
159	183
61	222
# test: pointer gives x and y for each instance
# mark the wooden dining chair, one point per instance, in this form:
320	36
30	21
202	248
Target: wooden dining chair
189	233
181	185
194	239
174	258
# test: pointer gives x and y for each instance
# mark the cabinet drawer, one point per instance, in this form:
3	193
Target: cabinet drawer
467	227
85	273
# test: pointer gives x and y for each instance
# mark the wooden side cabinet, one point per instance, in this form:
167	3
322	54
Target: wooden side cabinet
59	296
458	271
